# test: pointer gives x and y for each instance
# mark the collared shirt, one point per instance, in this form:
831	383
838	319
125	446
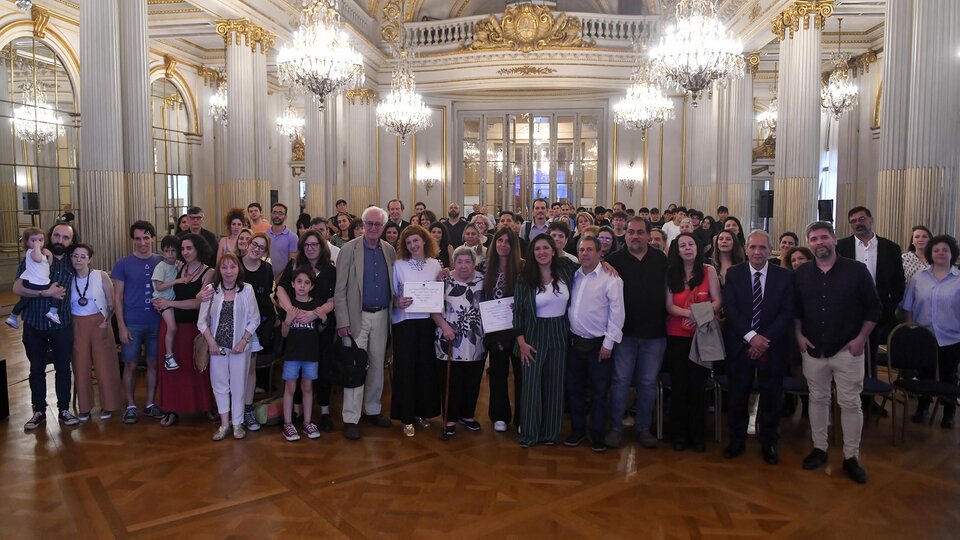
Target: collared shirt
282	246
376	278
763	290
35	314
867	254
671	231
643	290
596	307
534	230
935	305
832	306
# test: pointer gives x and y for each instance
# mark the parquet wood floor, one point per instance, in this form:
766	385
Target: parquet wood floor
109	480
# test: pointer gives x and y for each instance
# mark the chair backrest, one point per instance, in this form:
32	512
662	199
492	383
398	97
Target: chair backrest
912	347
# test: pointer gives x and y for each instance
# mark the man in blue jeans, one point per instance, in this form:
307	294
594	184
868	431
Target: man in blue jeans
41	335
638	357
138	324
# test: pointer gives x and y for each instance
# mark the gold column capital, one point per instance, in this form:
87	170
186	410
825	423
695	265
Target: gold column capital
789	19
41	18
211	77
365	95
753	62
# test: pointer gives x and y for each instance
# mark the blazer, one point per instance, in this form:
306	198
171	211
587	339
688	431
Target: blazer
525	303
890	280
348	294
246	316
776	311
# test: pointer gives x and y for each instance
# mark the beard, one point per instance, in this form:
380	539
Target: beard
453	215
57	250
823	252
277	221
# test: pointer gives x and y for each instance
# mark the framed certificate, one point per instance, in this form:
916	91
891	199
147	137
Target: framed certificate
496	315
427	296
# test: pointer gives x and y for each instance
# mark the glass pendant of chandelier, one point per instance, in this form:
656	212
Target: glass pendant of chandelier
218	101
290	124
36	121
24	5
403	111
644	105
767	120
697	50
839	96
320	59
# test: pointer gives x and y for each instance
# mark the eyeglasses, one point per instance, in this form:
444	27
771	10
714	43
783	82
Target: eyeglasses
861	219
373	224
80	256
281	213
311	245
257	246
199	216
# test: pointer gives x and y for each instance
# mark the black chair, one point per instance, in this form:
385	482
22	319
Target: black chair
663	383
913	351
874	386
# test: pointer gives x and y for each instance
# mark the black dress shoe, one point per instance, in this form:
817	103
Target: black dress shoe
679	446
817	458
699	447
326	423
770	454
733	450
378	420
947	422
922	416
574	439
855	471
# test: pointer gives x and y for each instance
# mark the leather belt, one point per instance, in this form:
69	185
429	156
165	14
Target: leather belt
373	309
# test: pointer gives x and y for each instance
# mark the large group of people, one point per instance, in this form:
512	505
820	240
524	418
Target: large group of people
603	301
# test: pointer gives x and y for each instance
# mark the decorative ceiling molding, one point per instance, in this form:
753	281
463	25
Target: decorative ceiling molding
526	28
526	70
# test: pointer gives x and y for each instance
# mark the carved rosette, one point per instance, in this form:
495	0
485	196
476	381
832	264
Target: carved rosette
390	25
526	28
789	19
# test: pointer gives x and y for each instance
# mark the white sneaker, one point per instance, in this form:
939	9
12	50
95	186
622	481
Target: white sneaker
53	317
170	363
500	426
12	322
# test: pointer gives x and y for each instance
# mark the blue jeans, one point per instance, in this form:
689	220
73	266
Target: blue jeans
36	343
140	334
637	361
584	368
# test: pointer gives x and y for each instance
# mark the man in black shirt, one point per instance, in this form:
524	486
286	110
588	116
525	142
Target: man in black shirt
837	307
195	220
638	357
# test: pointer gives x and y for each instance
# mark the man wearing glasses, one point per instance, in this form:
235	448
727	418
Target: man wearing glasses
195	221
363	299
283	242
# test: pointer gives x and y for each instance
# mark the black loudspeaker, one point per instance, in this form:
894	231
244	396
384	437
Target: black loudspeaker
31	202
274	197
765	204
825	210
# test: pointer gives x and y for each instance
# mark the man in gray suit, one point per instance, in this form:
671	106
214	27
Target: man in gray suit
363	298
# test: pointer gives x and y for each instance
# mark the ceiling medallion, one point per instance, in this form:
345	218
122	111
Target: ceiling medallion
526	28
526	70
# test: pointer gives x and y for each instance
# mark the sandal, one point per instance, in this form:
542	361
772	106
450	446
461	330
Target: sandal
170	419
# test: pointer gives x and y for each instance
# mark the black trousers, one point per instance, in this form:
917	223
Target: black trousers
414	388
741	372
948	358
465	380
688	398
499	407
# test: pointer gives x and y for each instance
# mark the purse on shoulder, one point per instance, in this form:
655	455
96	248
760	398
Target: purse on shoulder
201	353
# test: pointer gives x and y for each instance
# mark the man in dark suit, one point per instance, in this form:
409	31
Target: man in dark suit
758	300
395	214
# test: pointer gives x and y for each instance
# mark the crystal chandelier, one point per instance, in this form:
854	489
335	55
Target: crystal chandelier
839	96
697	50
320	60
403	111
218	101
24	5
36	121
767	120
290	123
644	105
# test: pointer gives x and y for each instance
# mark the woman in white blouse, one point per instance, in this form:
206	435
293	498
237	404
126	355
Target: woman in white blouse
415	390
91	306
229	323
915	260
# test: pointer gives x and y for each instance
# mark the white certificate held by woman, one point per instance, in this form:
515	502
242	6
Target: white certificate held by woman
496	315
427	296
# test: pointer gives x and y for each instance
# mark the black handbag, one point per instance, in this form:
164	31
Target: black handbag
349	367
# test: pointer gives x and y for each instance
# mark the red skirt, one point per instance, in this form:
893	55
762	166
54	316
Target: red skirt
184	390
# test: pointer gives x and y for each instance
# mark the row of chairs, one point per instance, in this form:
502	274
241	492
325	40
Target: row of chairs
911	354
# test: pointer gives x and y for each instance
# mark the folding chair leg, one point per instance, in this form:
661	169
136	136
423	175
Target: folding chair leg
717	408
659	409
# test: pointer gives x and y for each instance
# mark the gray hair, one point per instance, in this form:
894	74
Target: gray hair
371	209
464	250
763	233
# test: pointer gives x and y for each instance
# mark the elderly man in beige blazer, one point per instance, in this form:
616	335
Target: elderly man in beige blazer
363	298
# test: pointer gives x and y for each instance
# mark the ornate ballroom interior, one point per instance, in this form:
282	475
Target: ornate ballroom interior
516	100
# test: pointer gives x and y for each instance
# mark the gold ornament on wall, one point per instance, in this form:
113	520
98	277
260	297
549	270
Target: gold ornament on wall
753	62
526	28
41	18
390	27
299	149
365	95
790	18
526	70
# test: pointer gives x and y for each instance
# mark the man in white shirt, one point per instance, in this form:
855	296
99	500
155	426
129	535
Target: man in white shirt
671	229
596	316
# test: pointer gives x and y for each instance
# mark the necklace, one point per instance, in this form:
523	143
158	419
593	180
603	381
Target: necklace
225	288
191	275
82	301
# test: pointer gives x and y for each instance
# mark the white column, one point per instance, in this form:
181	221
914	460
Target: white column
361	171
103	216
262	123
897	51
239	186
316	160
701	154
796	174
737	144
135	104
930	181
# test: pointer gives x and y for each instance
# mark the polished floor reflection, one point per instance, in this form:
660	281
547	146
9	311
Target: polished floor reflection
109	480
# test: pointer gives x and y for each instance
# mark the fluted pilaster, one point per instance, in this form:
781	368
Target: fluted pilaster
701	154
796	178
239	187
361	173
736	145
102	215
262	125
135	104
318	122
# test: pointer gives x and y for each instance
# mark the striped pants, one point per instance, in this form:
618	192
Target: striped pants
541	405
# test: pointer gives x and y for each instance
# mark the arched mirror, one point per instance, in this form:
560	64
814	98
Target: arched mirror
171	154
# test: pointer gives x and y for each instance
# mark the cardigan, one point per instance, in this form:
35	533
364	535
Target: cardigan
246	316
